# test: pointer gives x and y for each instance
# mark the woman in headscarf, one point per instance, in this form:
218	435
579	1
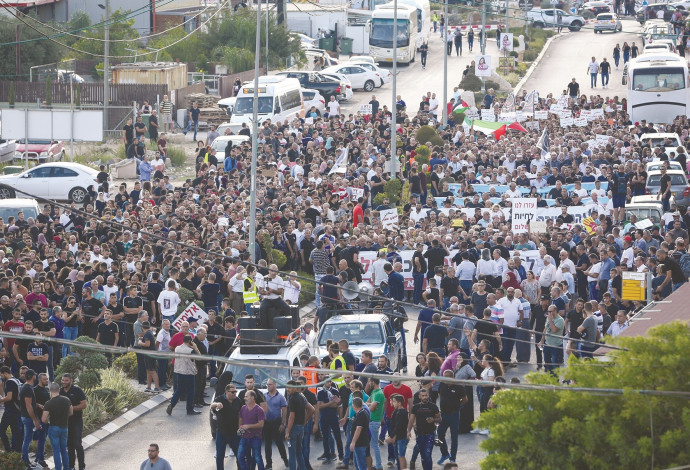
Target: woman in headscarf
511	281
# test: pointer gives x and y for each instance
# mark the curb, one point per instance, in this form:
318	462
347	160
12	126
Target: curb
534	65
122	421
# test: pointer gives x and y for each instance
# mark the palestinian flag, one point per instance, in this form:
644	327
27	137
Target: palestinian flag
461	107
497	129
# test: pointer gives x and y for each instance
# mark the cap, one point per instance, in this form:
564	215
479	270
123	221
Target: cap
545	297
192	320
628	239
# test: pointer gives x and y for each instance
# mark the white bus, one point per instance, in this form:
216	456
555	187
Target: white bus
381	33
658	88
280	98
423	19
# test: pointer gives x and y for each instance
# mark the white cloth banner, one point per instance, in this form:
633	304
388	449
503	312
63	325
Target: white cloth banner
340	163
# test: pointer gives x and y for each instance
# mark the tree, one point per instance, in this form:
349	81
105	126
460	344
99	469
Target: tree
93	39
34	48
579	430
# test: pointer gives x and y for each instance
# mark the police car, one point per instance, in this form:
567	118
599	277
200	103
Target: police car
264	354
365	331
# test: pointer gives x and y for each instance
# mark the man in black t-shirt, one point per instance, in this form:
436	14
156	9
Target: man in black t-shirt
435	256
37	355
360	434
249	385
132	305
57	411
128	138
76	423
538	323
419	269
30	419
296	417
573	89
489	331
424	417
108	331
309	423
11	416
91	309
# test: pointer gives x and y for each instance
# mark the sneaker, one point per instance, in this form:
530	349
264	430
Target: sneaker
194	412
475	431
165	388
322	457
391	463
42	464
484	432
443	459
169	410
147	390
157	390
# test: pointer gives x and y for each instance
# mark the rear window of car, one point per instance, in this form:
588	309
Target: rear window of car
604	17
676	180
308	95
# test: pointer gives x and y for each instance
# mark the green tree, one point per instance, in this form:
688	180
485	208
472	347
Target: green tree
578	430
93	39
35	51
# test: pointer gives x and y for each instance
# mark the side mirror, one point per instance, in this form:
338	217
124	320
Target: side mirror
391	339
624	80
367	26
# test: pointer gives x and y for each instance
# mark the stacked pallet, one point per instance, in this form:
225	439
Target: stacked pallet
203	100
214	116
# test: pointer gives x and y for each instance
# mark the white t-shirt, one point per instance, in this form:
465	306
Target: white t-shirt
163	338
291	293
594	67
237	282
333	107
275	283
511	310
379	273
629	256
595	269
169	300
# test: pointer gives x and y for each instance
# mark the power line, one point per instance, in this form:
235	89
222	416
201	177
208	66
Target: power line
335	372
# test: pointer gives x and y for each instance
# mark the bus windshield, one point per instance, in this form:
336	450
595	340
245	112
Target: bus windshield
382	32
245	105
659	79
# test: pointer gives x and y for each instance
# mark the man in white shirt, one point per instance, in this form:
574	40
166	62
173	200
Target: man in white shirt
235	286
513	191
163	345
379	273
333	107
433	105
292	289
309	335
593	69
619	325
628	255
168	300
272	288
512	318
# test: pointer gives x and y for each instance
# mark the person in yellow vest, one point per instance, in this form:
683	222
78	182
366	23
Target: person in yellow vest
249	292
337	363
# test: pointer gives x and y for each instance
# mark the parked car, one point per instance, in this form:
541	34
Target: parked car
220	142
595	8
360	77
385	74
315	81
680	190
541	18
315	99
668	140
11	206
607	22
645	207
657	164
346	92
64	181
227	104
651	12
40	151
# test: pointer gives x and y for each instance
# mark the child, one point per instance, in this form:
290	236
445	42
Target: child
398	429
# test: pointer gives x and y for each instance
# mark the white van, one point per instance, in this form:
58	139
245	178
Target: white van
280	98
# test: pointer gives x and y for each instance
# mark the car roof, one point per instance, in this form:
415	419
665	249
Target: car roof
670	171
287	352
645	199
243	138
72	165
358	318
651	135
18	202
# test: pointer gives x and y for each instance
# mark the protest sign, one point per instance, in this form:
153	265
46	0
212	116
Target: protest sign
541	115
389	218
523	210
590	225
192	311
567	121
365	109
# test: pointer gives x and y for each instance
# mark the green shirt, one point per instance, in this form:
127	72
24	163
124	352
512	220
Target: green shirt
555	338
377	397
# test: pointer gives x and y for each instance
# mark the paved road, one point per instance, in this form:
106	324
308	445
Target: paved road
568	56
186	440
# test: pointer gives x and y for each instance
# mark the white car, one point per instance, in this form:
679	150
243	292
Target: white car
63	181
346	92
306	40
385	74
363	59
228	104
220	142
315	99
360	77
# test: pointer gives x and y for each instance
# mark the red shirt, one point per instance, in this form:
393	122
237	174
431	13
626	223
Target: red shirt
12	327
390	390
357	215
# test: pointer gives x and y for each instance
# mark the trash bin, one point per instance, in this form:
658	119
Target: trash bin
326	44
145	118
346	45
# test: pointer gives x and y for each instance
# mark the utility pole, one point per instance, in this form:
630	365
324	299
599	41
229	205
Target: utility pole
394	109
445	65
483	41
18	63
106	67
255	130
266	37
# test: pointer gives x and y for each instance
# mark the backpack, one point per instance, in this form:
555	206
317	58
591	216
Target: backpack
684	264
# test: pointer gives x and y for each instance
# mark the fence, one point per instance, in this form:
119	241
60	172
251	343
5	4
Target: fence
226	81
91	93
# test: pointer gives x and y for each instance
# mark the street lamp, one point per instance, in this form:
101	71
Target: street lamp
106	64
394	109
255	143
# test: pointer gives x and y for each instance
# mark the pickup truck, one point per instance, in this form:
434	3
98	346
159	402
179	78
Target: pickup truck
541	17
316	81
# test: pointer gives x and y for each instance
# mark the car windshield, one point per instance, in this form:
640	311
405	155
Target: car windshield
644	213
659	79
7	212
382	32
676	180
261	374
660	141
354	333
245	105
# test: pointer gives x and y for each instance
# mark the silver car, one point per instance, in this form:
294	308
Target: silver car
679	186
607	22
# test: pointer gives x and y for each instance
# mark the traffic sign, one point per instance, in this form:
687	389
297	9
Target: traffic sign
637	286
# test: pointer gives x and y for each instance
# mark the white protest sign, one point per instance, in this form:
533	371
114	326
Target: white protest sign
556	108
483	66
522	211
506	42
488	115
389	218
192	311
566	113
602	140
564	100
541	115
365	109
537	226
567	121
532	125
472	114
599	113
580	121
357	193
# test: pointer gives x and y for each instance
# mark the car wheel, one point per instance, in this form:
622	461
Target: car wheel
7	192
575	26
538	24
369	85
77	195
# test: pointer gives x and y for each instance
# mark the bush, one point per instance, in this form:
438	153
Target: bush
95	362
530	55
378	200
69	365
94	414
90	379
393	190
306	295
11	461
106	394
125	393
177	156
422	154
428	134
127	364
471	82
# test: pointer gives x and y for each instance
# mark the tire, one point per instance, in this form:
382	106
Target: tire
369	86
538	24
77	195
7	193
575	26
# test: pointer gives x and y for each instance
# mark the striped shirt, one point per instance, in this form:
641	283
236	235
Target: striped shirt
322	261
166	107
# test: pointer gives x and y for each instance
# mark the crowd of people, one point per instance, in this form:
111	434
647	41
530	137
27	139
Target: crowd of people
113	268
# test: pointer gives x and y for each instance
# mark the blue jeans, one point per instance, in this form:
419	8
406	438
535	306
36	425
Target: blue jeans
330	427
189	125
222	442
348	441
162	372
418	279
553	357
585	350
400	449
391	448
306	441
374	427
449	421
467	287
11	419
185	382
404	346
246	443
604	79
508	340
29	436
58	441
295	451
592	83
317	294
522	347
360	458
425	443
71	333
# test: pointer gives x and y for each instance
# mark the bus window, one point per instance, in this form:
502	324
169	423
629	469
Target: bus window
658	79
